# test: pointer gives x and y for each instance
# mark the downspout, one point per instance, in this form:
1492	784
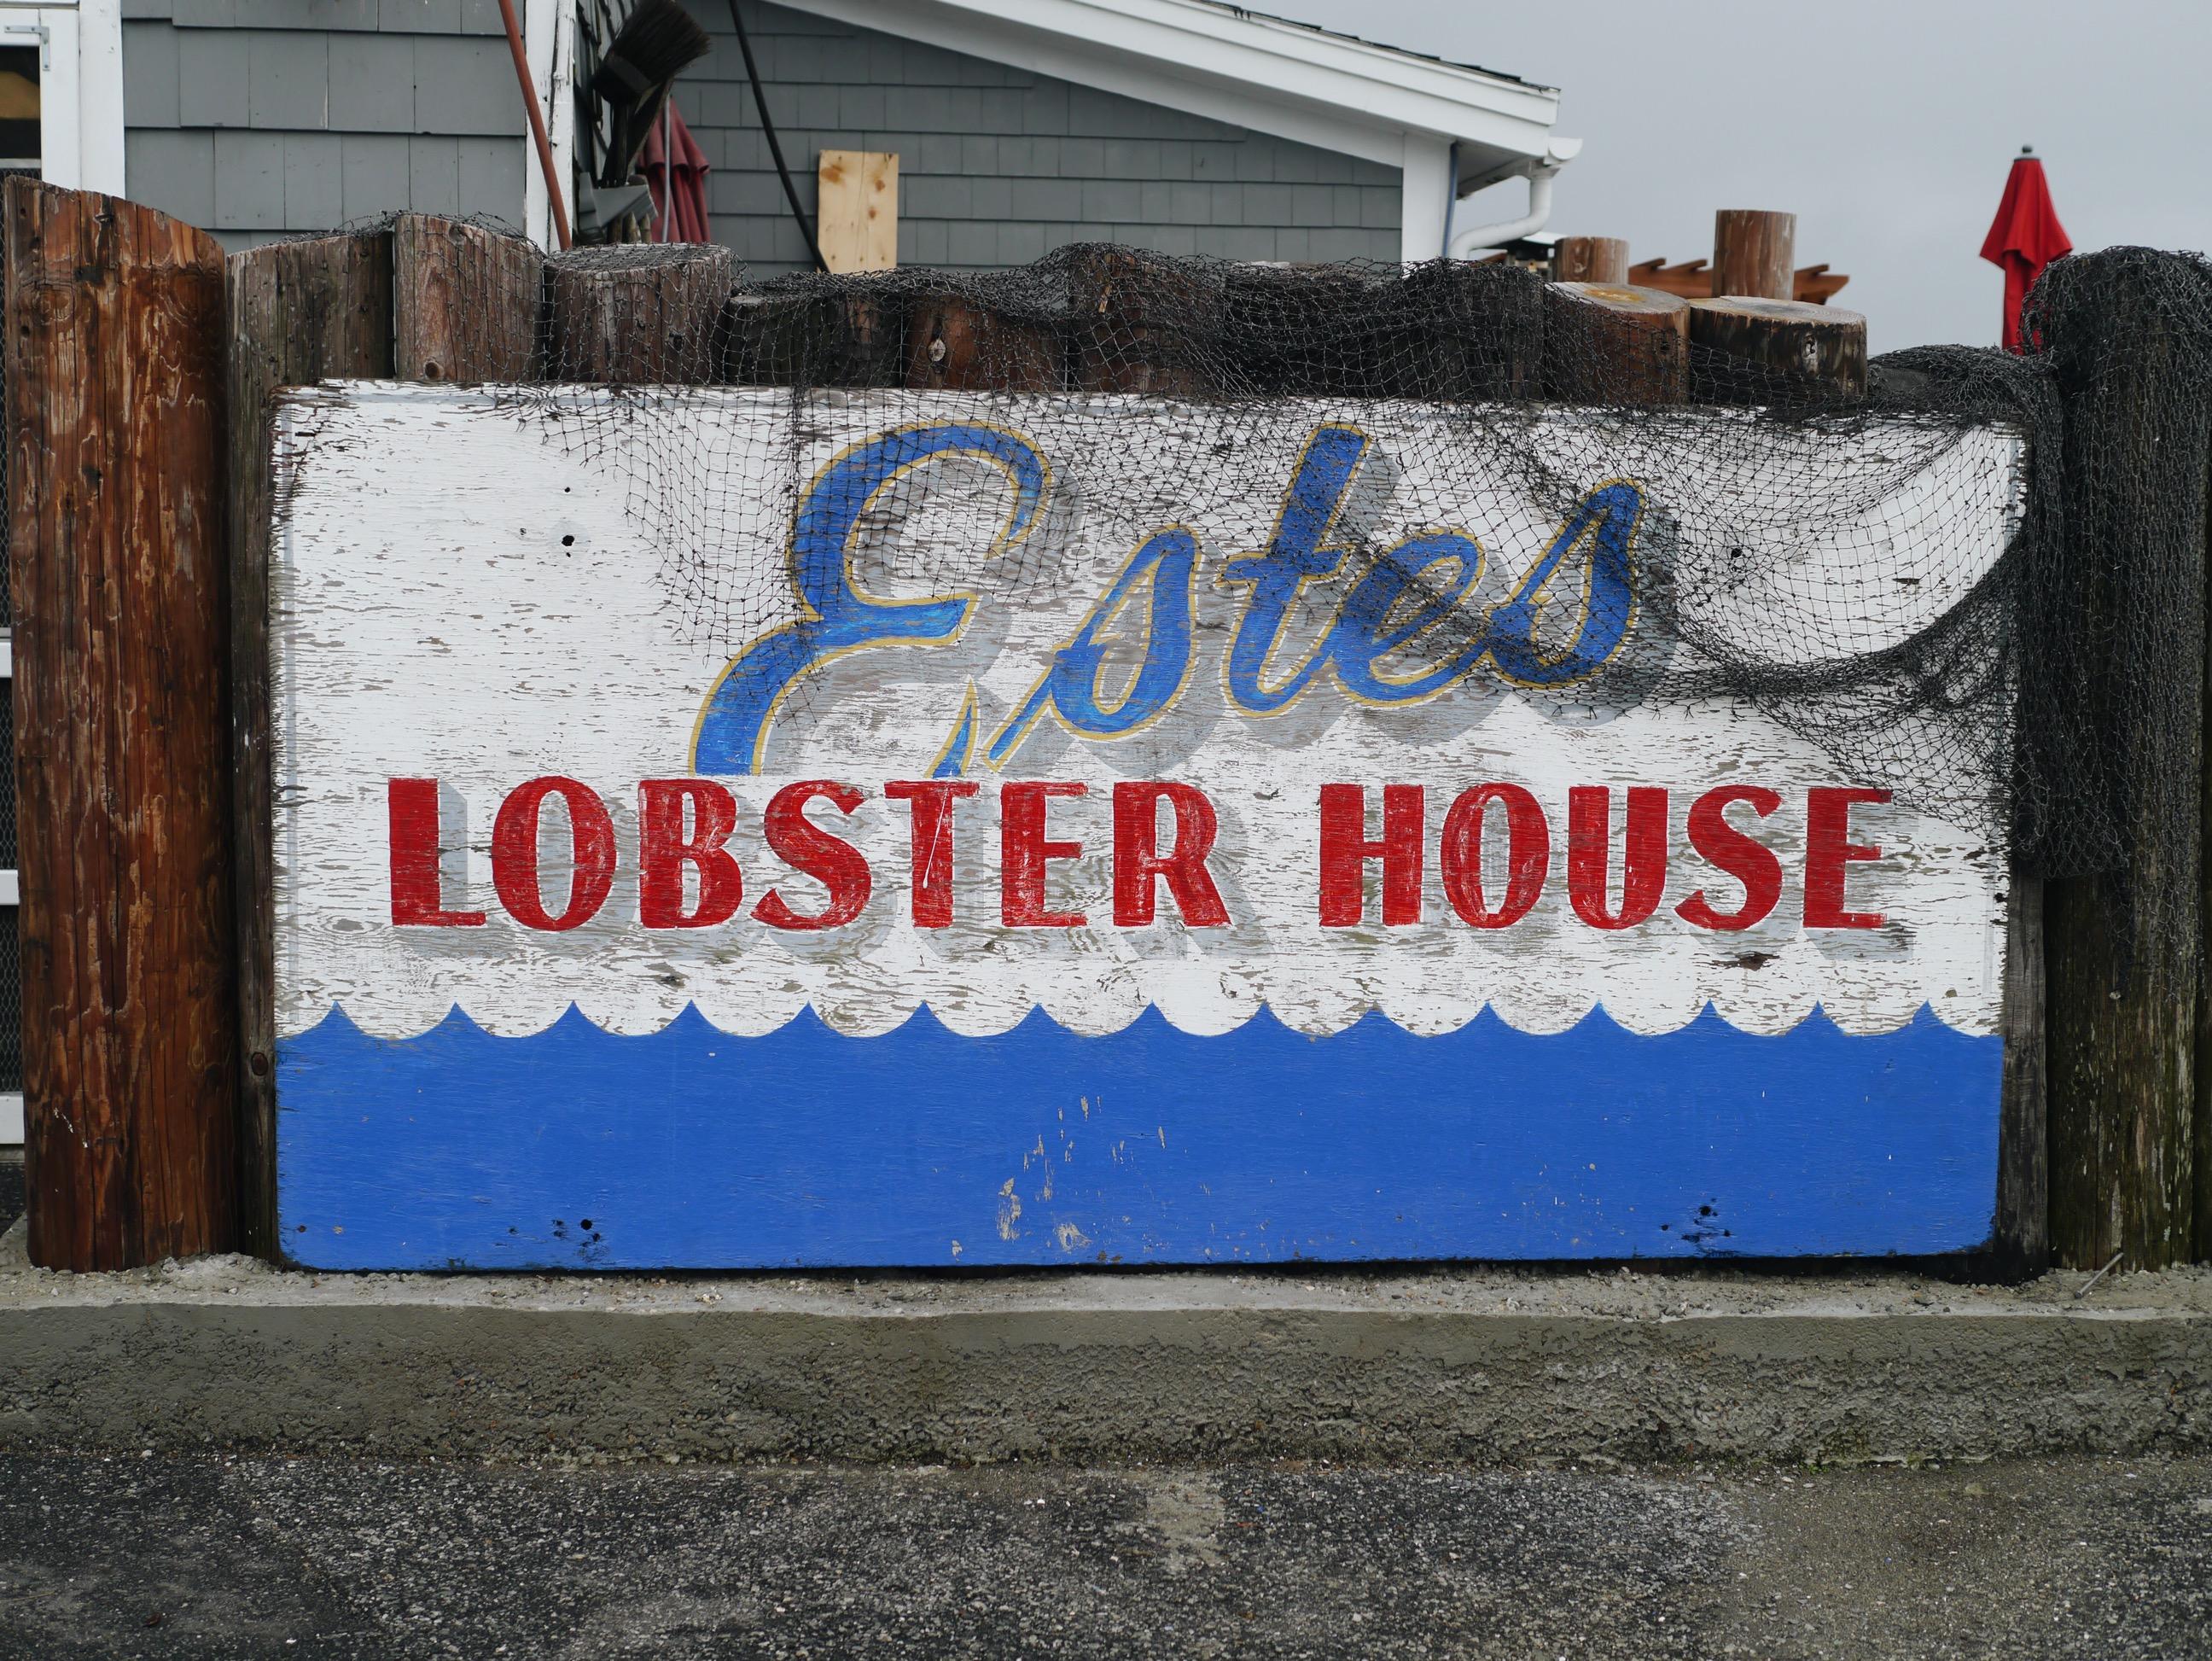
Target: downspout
1541	171
1451	198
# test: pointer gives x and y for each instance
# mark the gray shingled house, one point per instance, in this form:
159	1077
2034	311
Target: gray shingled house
1020	124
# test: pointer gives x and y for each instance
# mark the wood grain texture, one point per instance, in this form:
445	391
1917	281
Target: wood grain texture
2023	1234
856	223
1133	317
115	429
1610	343
464	302
1763	352
631	316
955	344
1590	259
1754	253
299	312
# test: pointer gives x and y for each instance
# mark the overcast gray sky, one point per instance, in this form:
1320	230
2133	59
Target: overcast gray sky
1886	125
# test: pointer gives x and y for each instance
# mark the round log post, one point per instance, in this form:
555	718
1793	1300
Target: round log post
300	311
1590	259
1755	253
956	342
636	314
1611	343
1747	350
115	434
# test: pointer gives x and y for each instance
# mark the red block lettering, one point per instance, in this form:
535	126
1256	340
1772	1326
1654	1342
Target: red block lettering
831	860
417	900
514	853
663	849
930	804
1589	849
1023	851
1529	855
1828	850
1344	851
1138	861
1726	848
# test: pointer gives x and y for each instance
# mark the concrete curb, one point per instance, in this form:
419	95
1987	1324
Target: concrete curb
1460	1364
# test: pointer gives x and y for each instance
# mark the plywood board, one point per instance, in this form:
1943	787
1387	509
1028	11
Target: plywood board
856	223
1020	864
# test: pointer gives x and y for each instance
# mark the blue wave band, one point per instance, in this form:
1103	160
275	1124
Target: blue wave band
689	1147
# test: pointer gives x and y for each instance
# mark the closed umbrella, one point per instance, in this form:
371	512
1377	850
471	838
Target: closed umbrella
2026	237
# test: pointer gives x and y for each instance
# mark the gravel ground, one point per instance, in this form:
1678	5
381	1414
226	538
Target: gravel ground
160	1557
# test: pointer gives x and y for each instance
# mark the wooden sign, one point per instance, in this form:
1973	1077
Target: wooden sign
921	829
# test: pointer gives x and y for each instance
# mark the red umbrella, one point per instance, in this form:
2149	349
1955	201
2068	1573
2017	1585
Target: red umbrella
2026	237
687	223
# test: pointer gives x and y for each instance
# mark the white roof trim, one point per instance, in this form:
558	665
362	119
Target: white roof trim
1316	88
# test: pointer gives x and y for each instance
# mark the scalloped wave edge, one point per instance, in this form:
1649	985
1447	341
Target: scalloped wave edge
458	1022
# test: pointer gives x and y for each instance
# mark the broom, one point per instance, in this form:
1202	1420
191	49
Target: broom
654	43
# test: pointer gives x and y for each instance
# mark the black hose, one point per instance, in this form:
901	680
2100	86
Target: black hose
776	149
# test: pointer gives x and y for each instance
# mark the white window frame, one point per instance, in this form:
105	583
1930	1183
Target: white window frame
79	88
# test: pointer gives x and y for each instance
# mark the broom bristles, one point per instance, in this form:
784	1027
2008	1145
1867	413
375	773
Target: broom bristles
655	41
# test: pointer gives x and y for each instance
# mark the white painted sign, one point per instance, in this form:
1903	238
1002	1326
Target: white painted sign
985	712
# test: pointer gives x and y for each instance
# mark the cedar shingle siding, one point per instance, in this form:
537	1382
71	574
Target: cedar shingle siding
259	117
997	166
256	117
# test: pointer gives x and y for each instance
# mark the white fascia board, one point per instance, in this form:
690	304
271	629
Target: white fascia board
1326	90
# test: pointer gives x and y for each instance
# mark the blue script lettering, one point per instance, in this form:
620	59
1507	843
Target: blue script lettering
1166	564
733	732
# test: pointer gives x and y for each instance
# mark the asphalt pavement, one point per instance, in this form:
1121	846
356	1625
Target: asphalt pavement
159	1556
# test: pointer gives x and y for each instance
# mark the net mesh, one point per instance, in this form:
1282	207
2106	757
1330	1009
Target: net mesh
2047	705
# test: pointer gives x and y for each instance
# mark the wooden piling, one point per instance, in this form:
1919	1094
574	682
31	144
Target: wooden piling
636	315
1601	259
1610	344
300	311
465	303
1142	324
1754	253
1748	351
956	342
115	433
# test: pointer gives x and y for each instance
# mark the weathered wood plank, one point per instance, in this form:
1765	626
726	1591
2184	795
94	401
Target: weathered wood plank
115	428
299	312
1755	254
1606	344
465	303
636	315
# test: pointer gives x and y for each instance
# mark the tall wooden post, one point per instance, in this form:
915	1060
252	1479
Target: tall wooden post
1755	254
2125	946
115	432
299	312
1601	259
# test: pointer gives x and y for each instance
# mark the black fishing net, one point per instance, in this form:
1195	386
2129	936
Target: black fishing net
1813	531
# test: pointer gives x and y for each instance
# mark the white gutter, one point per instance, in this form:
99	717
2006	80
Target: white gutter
1540	171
